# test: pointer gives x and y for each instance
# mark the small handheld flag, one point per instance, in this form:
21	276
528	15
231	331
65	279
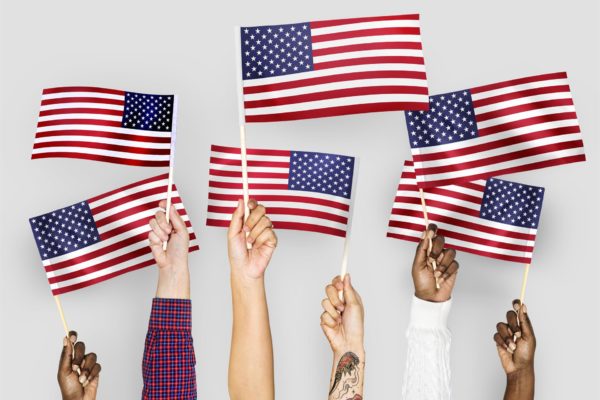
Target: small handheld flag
102	237
493	218
301	190
498	129
335	67
105	125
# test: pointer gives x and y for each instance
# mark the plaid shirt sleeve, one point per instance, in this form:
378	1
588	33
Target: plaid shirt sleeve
169	362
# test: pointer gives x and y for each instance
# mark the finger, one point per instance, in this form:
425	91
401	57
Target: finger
422	248
176	220
332	295
78	356
447	257
437	246
450	271
88	363
526	326
255	215
64	365
91	388
259	227
158	231
328	320
267	238
507	336
350	295
252	204
237	220
499	341
93	375
156	246
511	319
338	283
161	219
330	309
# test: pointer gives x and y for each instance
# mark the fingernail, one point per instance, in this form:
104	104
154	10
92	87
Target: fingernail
511	351
75	368
518	334
82	378
84	384
512	346
246	228
249	240
437	274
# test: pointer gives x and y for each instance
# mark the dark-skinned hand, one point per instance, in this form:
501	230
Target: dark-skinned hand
78	373
515	340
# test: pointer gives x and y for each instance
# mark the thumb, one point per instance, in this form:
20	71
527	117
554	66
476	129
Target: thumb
525	322
237	220
64	366
423	247
350	295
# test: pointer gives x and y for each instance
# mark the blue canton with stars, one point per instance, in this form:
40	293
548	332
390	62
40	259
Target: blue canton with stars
148	112
321	172
65	230
276	50
512	203
451	118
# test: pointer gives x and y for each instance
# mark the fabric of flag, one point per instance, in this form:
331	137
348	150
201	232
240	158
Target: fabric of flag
336	67
301	190
498	129
102	237
493	218
105	125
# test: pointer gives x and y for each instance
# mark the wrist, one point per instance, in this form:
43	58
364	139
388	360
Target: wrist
357	349
173	282
521	375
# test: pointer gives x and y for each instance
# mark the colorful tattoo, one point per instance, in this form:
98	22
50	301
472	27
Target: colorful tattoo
348	365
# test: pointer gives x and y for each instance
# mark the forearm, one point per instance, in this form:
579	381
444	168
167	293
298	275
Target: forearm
251	361
173	283
347	374
520	385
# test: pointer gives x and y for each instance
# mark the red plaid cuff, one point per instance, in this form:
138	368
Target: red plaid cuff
171	314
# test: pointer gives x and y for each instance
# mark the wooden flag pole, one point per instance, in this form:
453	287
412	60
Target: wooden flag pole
171	163
524	284
62	315
241	121
426	218
345	255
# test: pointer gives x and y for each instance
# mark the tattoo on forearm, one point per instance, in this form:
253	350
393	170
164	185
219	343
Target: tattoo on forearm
347	378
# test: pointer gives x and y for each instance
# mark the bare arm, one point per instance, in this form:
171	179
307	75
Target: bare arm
251	358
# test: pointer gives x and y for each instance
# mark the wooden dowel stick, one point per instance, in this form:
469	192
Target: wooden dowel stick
171	163
169	194
62	314
426	218
524	284
245	176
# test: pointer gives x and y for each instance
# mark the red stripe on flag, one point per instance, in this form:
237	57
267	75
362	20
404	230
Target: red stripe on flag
238	174
346	21
340	110
99	122
520	81
335	78
256	152
256	186
91	89
103	146
102	134
102	111
366	32
369	60
250	163
98	100
527	122
538	105
94	157
519	95
368	46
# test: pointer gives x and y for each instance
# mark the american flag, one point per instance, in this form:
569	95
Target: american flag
498	129
105	125
335	67
301	190
493	218
102	237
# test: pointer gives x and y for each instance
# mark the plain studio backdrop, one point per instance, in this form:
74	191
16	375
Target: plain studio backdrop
187	48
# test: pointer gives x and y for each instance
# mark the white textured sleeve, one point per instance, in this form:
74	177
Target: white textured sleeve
427	374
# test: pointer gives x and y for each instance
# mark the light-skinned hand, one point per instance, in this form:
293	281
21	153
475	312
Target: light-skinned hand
250	263
174	233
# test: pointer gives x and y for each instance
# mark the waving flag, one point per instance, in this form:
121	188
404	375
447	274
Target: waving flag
493	218
105	125
335	67
301	190
102	237
503	128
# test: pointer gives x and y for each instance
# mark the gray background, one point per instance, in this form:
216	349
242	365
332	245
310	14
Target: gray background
187	47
